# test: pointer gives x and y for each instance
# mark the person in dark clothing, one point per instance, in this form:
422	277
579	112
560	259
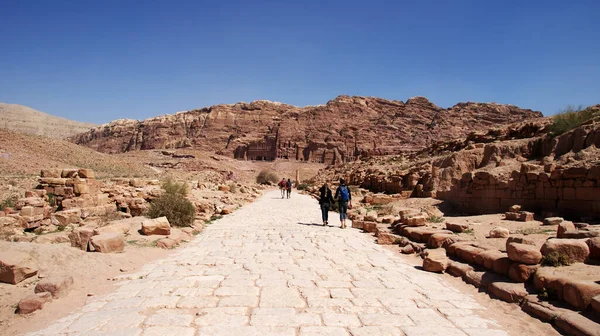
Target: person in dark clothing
344	198
325	201
288	188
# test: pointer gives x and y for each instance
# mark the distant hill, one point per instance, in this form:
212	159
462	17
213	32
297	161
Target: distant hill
23	119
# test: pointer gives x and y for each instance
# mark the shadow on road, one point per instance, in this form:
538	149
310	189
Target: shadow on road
311	224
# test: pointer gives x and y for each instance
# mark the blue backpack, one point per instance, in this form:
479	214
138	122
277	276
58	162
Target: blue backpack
344	193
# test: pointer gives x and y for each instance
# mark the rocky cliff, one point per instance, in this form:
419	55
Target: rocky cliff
23	119
346	127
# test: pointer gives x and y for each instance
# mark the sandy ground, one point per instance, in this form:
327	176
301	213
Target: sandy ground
92	274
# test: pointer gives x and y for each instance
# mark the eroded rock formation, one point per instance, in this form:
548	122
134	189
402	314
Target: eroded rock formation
343	129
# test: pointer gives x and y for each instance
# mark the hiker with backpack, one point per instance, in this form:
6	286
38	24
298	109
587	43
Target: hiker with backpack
282	185
288	187
344	198
325	201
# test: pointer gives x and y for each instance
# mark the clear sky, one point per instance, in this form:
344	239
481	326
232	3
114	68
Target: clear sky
97	61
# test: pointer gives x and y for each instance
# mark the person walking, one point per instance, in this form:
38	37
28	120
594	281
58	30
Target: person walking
282	185
288	187
325	201
344	198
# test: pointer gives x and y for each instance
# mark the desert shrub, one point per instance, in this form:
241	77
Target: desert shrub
267	177
570	118
8	202
436	219
556	259
173	205
303	186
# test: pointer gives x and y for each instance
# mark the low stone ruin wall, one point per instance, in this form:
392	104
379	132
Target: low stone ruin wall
572	192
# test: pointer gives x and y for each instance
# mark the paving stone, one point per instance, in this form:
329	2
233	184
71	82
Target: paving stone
243	276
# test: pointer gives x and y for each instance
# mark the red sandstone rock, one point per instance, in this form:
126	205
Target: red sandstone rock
80	237
16	267
521	272
58	285
580	293
358	224
108	243
523	253
563	227
468	252
509	292
437	239
499	232
576	324
553	221
454	227
594	246
576	249
371	216
595	303
166	243
487	258
408	249
435	261
458	269
515	208
156	226
33	302
370	226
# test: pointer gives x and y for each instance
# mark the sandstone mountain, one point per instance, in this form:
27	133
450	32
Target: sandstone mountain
344	128
23	119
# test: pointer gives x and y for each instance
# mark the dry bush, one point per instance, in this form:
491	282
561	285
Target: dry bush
556	259
267	177
570	118
173	205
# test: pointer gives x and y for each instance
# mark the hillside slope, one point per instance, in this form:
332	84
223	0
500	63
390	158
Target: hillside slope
23	119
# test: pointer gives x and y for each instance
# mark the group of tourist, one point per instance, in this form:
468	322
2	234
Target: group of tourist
285	187
344	201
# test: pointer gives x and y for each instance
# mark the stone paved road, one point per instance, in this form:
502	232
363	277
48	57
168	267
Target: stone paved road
265	270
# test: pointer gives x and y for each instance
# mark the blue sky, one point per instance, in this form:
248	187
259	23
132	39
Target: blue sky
97	61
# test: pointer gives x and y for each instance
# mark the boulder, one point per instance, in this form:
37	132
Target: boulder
502	265
594	246
408	249
519	240
224	188
16	267
514	208
580	234
33	302
481	279
455	227
179	236
86	173
414	221
525	216
468	252
57	285
523	253
80	237
156	226
488	257
371	216
458	269
499	232
108	243
436	261
386	238
521	272
437	239
553	221
513	216
52	173
564	227
370	227
358	224
579	294
166	243
576	249
509	292
573	323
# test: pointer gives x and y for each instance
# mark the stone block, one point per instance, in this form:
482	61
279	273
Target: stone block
553	221
576	249
523	253
499	232
68	173
86	173
488	257
33	302
594	246
80	237
579	294
166	243
455	227
53	173
156	226
108	243
563	227
370	227
509	292
16	267
436	261
57	285
521	272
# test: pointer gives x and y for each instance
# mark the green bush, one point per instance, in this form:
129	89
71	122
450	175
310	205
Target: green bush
173	205
571	118
8	202
436	219
556	259
267	177
303	186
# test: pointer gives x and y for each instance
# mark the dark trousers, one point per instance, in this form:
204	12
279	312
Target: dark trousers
343	206
325	212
